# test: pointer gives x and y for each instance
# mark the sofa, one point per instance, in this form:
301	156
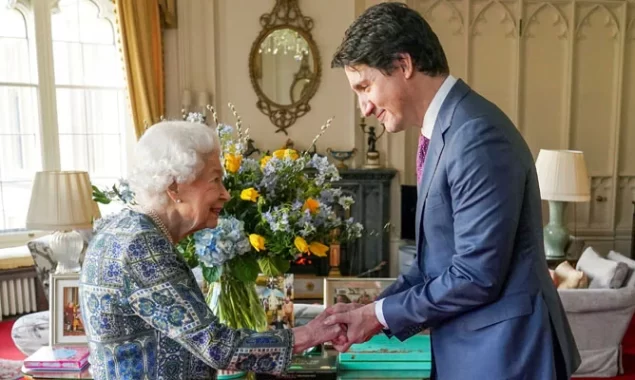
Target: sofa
600	310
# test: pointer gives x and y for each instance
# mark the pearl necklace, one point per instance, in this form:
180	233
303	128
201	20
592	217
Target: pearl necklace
155	218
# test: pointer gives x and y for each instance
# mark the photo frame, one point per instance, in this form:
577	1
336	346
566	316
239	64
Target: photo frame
276	295
308	287
66	326
352	289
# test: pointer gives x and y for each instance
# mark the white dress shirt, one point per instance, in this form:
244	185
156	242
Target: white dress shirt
429	120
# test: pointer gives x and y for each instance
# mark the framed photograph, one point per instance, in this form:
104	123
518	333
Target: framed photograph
352	289
308	286
66	324
276	295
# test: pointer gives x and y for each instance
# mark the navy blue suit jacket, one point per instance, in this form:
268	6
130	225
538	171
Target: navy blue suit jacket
481	283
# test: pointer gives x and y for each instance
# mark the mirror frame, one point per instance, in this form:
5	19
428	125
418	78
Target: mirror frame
285	14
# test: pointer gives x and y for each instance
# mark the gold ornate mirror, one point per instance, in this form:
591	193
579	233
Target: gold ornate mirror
284	64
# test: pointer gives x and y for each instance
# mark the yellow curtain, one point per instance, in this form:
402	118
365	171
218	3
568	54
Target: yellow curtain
140	32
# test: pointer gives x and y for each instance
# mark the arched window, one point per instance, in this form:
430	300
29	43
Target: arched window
90	89
75	116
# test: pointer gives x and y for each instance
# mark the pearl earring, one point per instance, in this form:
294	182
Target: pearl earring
178	201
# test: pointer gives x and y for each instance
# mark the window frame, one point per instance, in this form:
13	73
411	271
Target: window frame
37	14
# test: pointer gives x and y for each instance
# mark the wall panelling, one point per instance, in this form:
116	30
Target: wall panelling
562	70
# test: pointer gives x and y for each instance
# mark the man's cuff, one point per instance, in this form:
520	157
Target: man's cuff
379	313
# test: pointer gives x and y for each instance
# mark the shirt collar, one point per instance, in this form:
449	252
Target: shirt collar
430	118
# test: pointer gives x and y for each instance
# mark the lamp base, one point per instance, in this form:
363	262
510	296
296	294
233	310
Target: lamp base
556	234
67	247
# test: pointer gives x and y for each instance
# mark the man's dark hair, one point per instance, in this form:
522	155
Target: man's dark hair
383	32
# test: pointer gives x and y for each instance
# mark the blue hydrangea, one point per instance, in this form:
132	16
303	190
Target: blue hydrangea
216	246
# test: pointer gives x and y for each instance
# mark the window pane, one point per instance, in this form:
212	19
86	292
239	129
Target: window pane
92	108
12	23
20	155
100	155
65	22
15	65
93	29
102	66
71	111
68	63
84	47
14	204
92	131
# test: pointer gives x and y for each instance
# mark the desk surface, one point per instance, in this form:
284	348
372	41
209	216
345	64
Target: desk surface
341	375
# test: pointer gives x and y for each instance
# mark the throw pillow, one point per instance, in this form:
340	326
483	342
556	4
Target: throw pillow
602	273
615	256
570	278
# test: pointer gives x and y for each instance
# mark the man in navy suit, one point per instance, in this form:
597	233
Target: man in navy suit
481	283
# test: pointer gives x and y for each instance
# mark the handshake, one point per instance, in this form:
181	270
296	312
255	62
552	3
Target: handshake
342	324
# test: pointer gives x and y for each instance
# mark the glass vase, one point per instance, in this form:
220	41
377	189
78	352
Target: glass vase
236	305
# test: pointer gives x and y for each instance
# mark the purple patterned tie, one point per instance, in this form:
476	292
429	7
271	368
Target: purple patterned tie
424	142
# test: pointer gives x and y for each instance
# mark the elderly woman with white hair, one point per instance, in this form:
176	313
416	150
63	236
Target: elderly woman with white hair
144	315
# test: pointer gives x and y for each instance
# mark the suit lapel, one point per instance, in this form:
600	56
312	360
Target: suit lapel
437	143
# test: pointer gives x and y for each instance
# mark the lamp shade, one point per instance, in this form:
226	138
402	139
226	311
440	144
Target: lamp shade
61	200
563	176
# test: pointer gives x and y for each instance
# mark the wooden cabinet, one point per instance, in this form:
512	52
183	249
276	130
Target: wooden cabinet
371	191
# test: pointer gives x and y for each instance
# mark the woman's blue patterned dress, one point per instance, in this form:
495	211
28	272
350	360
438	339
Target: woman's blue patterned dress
146	318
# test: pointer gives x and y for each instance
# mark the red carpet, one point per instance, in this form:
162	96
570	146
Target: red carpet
7	349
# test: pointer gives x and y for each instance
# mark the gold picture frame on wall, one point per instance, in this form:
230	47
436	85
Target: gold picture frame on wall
353	289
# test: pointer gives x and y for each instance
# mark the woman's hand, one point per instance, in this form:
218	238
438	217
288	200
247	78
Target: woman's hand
316	332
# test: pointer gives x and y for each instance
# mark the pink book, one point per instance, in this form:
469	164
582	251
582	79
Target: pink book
58	358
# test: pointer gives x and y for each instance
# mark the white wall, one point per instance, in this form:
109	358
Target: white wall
552	104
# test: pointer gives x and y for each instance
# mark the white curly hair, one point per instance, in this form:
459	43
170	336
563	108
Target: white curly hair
168	152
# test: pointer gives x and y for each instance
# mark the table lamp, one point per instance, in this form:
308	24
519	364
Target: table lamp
61	201
563	177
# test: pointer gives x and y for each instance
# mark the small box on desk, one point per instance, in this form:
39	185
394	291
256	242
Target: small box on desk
322	367
381	353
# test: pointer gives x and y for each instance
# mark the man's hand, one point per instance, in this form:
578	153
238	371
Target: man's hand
361	323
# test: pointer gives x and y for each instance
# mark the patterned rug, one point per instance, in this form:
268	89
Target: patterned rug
10	369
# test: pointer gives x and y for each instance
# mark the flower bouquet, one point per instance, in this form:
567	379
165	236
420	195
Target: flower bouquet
283	205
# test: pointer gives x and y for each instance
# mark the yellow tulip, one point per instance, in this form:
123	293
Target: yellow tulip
318	249
286	153
291	153
257	241
233	162
263	161
301	244
312	205
250	194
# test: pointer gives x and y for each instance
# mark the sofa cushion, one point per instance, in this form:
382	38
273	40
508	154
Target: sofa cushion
602	273
569	278
615	256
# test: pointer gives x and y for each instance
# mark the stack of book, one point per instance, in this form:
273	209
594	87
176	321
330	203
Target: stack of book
318	367
381	353
60	362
